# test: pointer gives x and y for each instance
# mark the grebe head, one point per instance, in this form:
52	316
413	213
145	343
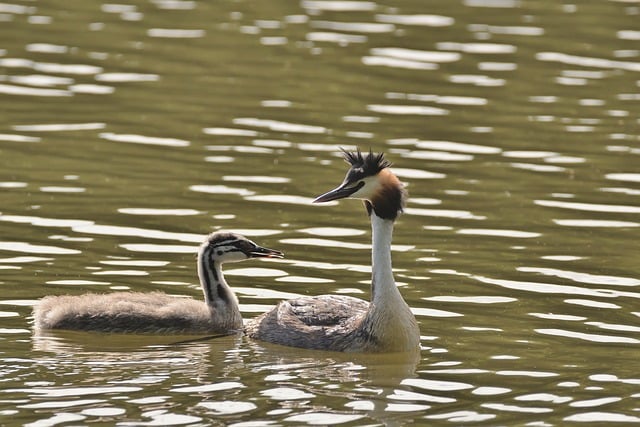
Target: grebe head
224	246
370	179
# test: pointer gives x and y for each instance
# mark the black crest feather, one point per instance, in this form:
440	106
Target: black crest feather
365	165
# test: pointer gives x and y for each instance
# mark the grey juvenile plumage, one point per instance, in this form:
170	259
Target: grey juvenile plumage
342	323
156	312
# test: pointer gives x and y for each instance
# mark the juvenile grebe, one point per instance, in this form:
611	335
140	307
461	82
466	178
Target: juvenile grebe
157	312
343	323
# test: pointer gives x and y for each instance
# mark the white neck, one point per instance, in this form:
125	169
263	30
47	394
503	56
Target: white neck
383	284
389	318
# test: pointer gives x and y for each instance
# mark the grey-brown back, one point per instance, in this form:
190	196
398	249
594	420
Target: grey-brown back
325	322
130	312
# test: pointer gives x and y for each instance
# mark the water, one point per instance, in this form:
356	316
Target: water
128	131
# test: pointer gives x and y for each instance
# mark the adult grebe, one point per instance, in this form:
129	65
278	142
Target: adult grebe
157	312
342	323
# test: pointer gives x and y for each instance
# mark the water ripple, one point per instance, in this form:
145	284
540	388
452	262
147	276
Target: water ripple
339	6
515	30
458	417
585	61
458	147
443	213
154	212
340	38
590	207
415	55
515	408
438	156
602	417
228	407
175	33
29	248
595	279
417	174
255	272
221	189
306	241
472	299
436	385
323	418
478	48
356	27
499	233
59	127
477	80
28	91
228	385
18	138
399	394
115	230
490	391
544	397
398	63
549	288
332	231
278	198
418	110
278	126
76	282
229	131
126	77
41	80
142	139
60	404
532	374
592	304
163	417
73	391
287	393
627	177
257	178
616	327
419	20
610	339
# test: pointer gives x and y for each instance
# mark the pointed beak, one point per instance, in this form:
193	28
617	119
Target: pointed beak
260	252
338	193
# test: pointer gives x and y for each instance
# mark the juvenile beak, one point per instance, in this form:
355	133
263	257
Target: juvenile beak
260	252
338	193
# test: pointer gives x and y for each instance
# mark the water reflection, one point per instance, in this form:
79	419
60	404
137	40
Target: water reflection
293	382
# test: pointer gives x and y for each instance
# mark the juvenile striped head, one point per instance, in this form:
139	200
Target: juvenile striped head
224	246
370	179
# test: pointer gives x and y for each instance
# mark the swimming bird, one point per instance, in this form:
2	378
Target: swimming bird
343	323
157	312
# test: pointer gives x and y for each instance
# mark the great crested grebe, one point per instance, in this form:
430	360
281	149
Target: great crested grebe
343	323
157	312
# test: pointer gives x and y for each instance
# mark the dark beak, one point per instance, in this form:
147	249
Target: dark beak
260	252
338	193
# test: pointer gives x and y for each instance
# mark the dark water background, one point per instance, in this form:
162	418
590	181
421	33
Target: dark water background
129	131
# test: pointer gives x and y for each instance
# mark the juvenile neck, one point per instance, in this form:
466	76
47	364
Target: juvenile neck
211	277
219	297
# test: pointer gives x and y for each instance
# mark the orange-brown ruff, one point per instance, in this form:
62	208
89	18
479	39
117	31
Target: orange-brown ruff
342	323
157	312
